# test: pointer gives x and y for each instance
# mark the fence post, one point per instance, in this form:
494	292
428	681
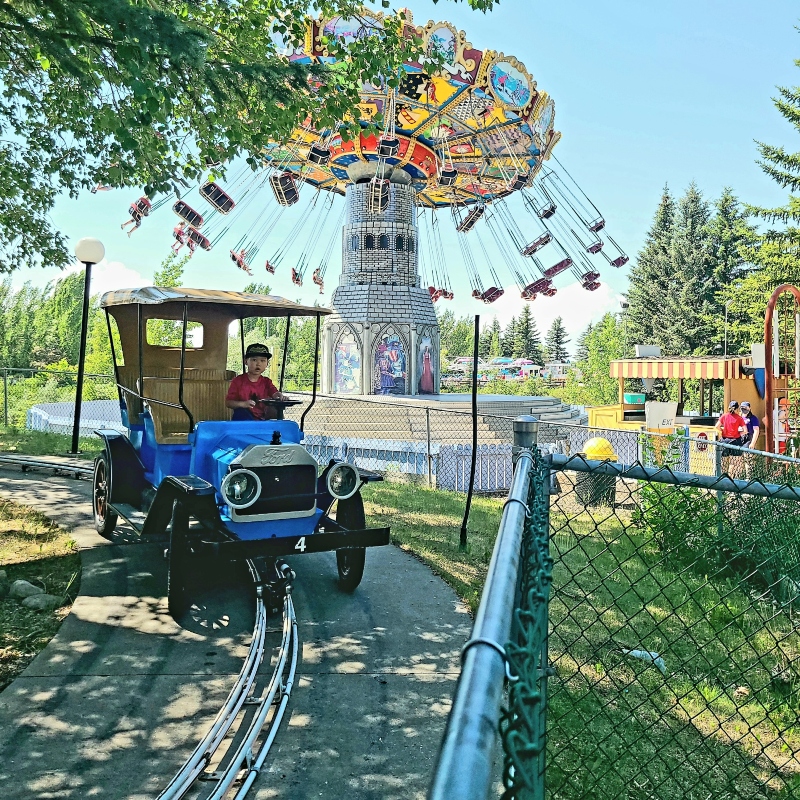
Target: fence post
428	435
526	434
720	495
5	397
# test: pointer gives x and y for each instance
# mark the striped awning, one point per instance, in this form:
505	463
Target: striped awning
706	368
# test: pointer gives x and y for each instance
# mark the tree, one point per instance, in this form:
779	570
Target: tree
168	332
131	93
649	277
556	341
495	348
508	340
527	343
456	335
582	351
604	343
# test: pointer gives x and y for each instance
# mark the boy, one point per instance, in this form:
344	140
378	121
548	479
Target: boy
751	422
248	388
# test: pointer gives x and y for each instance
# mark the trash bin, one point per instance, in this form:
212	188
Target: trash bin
596	489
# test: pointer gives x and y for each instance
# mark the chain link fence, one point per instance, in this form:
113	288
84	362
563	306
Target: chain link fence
674	645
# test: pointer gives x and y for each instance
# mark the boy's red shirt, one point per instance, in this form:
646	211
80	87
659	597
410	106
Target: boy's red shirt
732	425
242	388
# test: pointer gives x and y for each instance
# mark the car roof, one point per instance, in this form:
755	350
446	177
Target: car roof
238	304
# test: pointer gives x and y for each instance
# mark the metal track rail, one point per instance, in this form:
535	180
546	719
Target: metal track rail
244	758
64	465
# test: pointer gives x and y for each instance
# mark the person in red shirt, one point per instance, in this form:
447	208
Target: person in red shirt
732	430
248	388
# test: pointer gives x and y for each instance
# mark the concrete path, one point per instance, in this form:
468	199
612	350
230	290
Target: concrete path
122	694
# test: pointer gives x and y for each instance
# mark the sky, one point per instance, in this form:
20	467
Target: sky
646	94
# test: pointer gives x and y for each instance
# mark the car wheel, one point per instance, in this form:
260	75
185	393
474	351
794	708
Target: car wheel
105	520
350	560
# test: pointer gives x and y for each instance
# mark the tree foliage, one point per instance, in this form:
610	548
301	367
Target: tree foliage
150	92
556	341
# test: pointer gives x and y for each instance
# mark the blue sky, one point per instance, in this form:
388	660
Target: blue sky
646	94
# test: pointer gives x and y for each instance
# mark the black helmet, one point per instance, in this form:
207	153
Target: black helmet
257	350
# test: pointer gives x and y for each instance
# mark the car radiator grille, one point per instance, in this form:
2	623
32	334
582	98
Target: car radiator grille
284	490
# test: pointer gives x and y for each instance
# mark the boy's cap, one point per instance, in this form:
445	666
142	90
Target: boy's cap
733	405
746	405
257	351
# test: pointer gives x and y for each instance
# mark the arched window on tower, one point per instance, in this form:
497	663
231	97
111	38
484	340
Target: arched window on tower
383	242
398	244
369	242
411	244
354	242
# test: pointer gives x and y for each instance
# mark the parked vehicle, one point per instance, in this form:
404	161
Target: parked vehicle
225	489
464	364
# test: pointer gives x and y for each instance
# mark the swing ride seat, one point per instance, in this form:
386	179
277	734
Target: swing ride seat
284	188
251	487
388	147
527	294
619	262
537	244
558	268
596	225
547	211
188	214
591	286
198	238
519	181
141	207
378	197
589	277
538	286
319	155
448	177
434	293
491	294
550	292
595	247
478	294
468	223
269	268
218	197
446	295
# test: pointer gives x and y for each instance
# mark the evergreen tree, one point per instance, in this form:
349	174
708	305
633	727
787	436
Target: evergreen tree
556	341
495	346
604	343
527	343
649	277
690	290
508	340
581	351
485	343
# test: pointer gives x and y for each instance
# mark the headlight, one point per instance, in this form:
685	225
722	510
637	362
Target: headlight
241	488
343	481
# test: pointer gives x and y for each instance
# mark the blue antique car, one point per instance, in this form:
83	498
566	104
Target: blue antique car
230	489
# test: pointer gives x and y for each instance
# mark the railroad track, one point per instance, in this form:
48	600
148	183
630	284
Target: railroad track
261	715
253	709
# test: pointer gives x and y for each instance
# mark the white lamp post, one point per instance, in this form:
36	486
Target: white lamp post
89	251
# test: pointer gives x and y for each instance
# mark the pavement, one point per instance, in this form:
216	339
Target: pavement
121	695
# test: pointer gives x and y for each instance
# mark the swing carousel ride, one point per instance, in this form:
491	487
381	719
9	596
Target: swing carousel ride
473	143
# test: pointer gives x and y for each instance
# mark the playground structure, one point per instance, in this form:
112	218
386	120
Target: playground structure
465	142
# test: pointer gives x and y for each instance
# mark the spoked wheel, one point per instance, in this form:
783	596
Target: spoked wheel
105	520
350	560
178	567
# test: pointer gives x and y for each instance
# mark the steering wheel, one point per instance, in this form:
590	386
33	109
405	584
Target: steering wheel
279	405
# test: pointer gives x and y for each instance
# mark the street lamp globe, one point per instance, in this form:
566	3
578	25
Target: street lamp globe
90	250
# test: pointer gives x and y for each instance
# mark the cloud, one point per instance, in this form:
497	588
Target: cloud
108	276
573	304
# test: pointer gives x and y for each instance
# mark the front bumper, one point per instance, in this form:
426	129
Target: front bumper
319	542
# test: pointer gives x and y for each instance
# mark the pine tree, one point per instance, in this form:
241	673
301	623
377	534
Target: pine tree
556	341
527	343
495	346
690	290
485	342
508	341
581	351
649	277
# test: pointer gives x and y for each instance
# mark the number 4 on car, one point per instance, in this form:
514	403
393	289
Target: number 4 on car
222	488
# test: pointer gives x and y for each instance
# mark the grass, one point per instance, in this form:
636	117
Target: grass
36	550
39	443
725	720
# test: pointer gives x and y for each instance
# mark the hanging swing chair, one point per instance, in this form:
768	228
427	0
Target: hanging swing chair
589	277
596	225
195	239
519	181
539	286
448	177
297	278
141	207
467	223
491	294
434	293
558	268
378	199
595	247
547	210
284	188
319	155
551	291
269	268
388	146
188	214
316	278
218	197
537	244
591	287
240	259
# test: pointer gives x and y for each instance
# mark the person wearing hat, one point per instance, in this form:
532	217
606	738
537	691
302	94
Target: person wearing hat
251	386
751	422
732	429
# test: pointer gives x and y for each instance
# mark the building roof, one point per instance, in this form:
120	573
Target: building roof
239	304
706	367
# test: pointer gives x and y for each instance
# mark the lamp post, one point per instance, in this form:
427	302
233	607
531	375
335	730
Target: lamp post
89	251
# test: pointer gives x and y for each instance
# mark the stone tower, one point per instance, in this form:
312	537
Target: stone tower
383	337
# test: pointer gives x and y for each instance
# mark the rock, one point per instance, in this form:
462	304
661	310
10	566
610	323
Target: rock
22	589
42	602
4	584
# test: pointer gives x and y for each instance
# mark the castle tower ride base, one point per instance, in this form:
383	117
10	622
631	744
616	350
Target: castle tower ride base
383	337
